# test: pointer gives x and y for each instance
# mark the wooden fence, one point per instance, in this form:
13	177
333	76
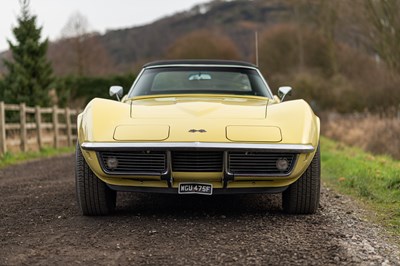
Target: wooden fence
37	127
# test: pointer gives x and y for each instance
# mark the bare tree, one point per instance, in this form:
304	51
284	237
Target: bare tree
321	14
299	34
77	32
328	18
384	30
76	26
79	51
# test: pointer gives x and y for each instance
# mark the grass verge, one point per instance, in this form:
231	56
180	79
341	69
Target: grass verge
8	159
373	179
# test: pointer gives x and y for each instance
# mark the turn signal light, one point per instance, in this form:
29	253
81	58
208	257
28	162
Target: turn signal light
112	163
282	164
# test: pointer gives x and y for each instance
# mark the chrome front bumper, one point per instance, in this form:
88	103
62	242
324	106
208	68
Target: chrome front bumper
120	146
197	146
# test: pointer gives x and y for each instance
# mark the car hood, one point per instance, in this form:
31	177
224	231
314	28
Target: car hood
198	119
204	107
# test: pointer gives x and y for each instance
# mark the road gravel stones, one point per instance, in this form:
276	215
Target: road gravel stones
40	224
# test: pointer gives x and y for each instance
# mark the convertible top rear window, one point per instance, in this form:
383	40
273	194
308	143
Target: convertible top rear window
198	80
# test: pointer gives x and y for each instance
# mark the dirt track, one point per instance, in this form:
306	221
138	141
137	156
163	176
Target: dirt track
40	224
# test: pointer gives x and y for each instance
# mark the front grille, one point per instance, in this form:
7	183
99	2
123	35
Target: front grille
155	162
258	163
197	161
134	161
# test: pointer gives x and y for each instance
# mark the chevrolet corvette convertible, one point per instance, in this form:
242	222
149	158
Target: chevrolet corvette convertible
198	127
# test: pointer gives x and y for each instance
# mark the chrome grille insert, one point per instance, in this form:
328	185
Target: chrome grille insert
258	163
134	162
197	161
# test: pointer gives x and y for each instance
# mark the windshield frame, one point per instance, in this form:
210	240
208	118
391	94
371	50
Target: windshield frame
268	91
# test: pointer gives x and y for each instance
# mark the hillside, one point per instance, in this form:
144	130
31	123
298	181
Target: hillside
127	48
238	20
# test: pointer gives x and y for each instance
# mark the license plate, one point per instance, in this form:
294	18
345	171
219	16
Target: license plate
195	188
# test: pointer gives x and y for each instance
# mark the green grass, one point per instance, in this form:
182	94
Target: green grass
8	158
373	179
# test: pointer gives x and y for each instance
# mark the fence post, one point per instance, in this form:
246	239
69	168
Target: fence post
38	118
3	144
68	121
55	126
22	118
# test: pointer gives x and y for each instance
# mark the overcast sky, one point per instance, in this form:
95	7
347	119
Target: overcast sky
101	14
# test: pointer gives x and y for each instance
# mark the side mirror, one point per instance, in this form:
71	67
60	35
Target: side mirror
283	91
117	91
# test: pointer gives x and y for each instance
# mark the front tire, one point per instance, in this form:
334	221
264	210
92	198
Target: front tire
302	197
93	195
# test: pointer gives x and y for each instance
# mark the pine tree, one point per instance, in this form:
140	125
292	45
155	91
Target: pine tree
29	76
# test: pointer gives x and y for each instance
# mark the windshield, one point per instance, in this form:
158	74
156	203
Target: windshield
198	80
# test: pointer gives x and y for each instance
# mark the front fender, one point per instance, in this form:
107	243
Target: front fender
100	117
297	122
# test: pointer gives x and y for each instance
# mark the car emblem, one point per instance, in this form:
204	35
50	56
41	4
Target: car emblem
198	130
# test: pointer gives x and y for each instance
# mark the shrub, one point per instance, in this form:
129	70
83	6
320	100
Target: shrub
72	90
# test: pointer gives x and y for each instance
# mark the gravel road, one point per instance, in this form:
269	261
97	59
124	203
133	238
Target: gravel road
40	224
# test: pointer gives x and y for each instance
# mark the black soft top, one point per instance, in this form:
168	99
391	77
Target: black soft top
199	62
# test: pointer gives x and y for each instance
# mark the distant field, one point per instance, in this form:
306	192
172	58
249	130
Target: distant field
379	134
373	179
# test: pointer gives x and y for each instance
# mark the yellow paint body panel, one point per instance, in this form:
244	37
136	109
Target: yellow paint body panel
141	132
225	118
253	133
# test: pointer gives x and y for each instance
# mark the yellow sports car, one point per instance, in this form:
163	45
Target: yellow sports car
198	127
